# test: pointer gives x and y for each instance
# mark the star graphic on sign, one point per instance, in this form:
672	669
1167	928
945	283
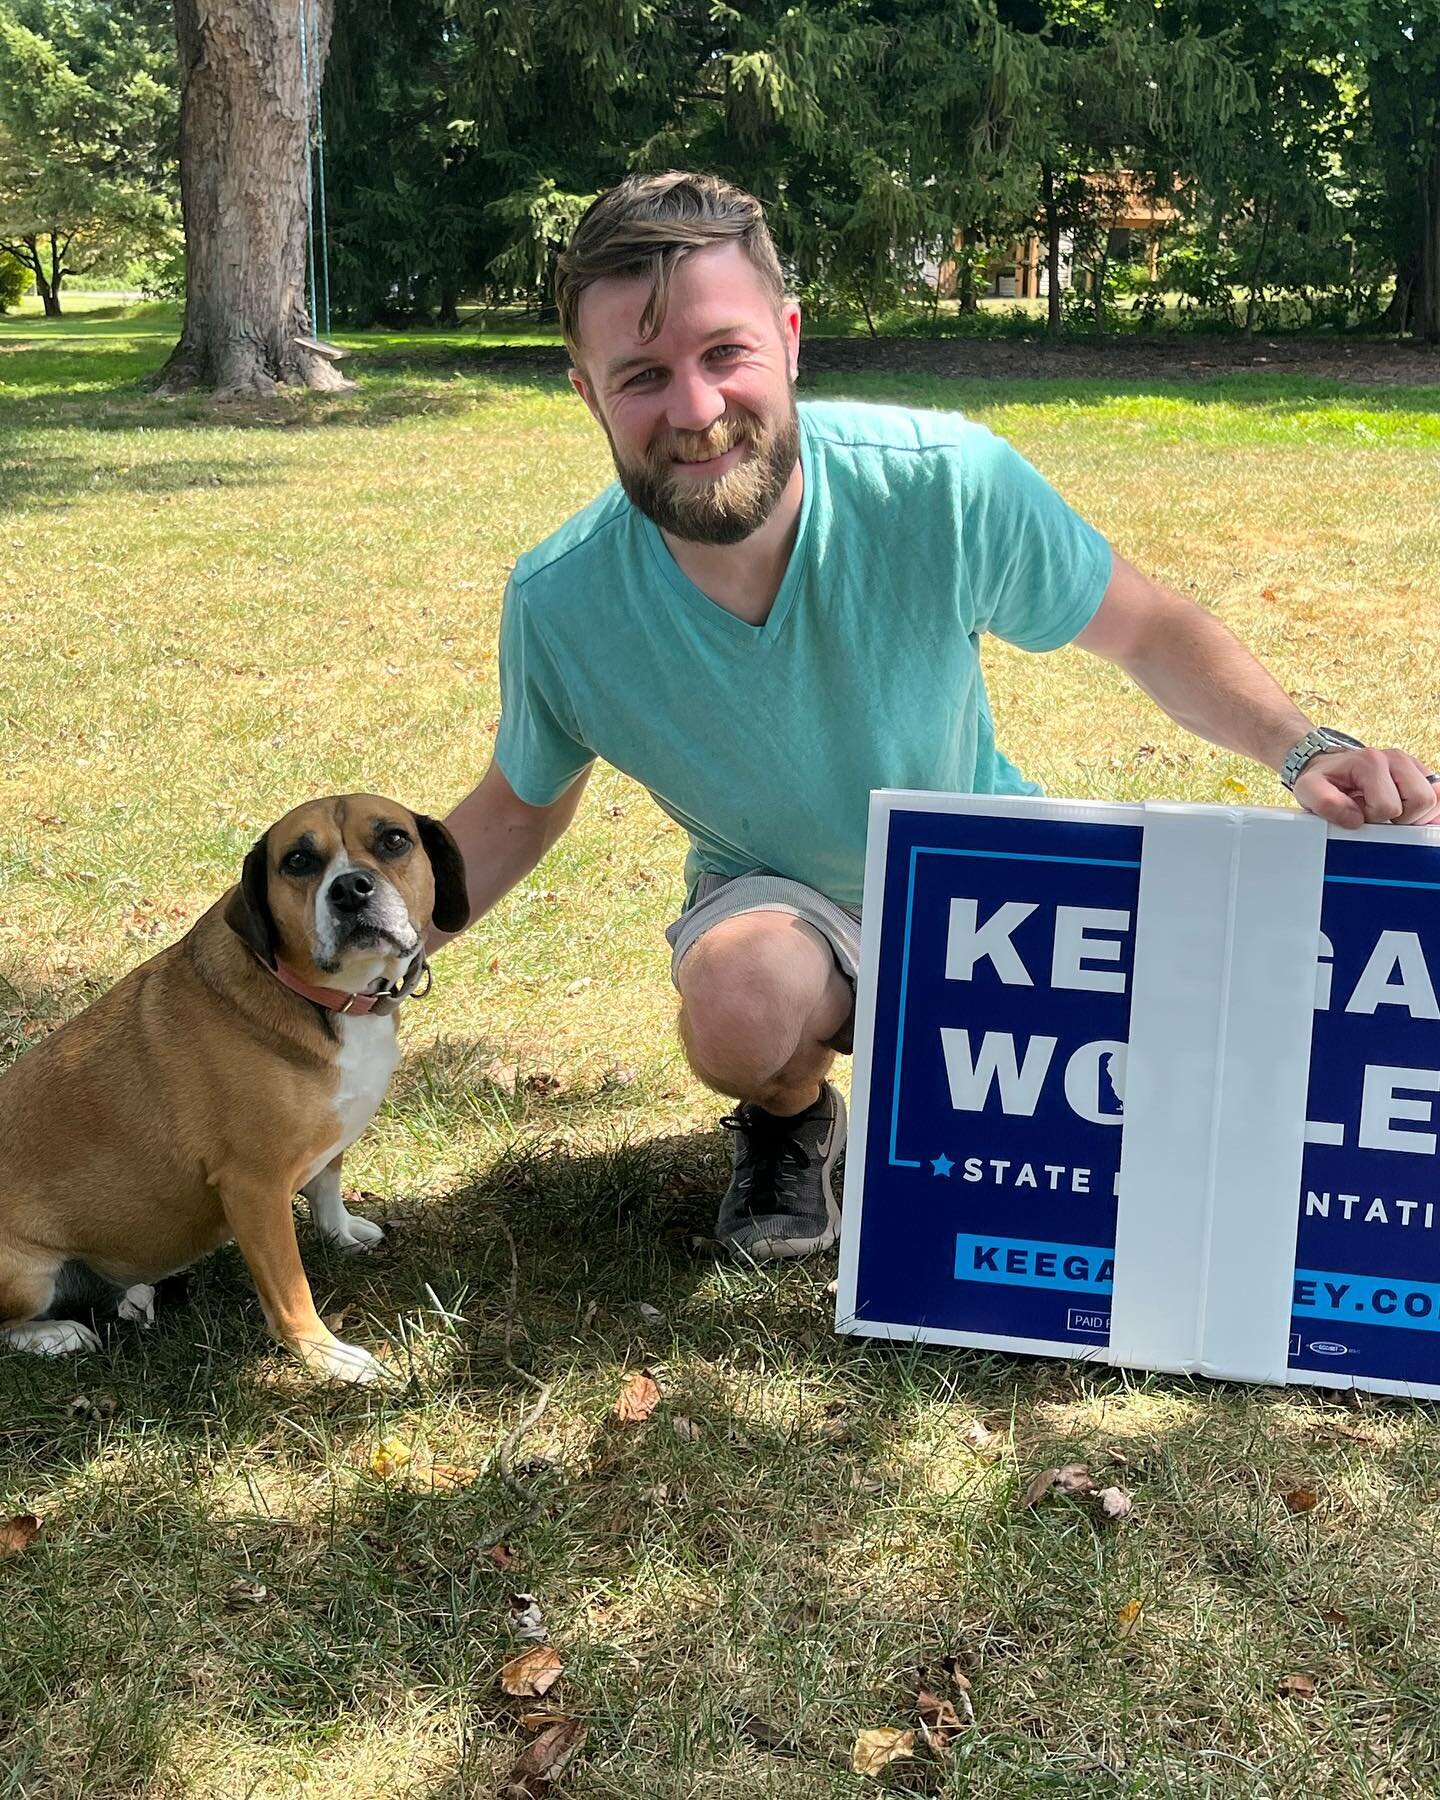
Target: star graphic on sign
941	1164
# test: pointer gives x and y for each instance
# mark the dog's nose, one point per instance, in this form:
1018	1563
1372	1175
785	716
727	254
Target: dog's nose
350	891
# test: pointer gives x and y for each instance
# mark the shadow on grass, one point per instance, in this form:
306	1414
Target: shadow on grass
741	1511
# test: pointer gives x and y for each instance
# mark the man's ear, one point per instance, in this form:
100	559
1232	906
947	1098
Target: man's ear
247	912
452	897
582	388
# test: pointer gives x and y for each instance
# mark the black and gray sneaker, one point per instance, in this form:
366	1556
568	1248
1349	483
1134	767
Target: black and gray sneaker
782	1200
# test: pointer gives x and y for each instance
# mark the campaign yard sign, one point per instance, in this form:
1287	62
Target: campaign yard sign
1150	1084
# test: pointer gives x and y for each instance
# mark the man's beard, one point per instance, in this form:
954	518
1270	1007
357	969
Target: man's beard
725	510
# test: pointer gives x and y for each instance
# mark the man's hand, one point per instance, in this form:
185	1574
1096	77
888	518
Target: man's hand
1368	787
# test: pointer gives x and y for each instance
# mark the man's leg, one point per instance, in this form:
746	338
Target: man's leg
762	1003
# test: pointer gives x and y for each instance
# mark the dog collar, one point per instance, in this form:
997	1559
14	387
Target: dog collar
336	1000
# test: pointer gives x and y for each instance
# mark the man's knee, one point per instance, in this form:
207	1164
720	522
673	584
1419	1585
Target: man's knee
752	986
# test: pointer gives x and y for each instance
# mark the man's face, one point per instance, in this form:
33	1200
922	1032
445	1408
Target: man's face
701	419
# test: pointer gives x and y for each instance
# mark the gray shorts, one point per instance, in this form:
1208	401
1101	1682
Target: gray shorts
720	897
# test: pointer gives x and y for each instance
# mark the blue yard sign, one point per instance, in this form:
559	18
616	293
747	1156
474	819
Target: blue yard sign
1264	998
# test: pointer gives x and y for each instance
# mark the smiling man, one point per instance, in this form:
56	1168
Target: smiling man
778	609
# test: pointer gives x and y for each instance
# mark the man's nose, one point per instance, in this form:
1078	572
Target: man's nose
350	891
694	401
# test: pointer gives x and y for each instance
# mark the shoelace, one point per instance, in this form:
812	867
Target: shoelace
771	1151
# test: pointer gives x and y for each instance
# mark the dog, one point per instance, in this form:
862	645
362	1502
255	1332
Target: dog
189	1104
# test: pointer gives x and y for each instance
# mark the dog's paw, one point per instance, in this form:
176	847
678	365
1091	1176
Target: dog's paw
353	1234
138	1302
341	1362
50	1337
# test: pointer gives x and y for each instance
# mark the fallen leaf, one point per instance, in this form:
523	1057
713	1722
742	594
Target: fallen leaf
527	1622
878	1747
542	1763
1333	1616
1115	1503
19	1533
864	1484
241	1594
579	987
938	1719
685	1429
1268	594
338	1322
1040	1486
501	1075
449	1478
92	1406
1298	1687
638	1399
501	1555
389	1458
1301	1500
1128	1618
1075	1478
652	1315
532	1673
978	1435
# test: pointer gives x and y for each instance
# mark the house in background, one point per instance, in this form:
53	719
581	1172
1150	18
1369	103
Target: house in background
1126	210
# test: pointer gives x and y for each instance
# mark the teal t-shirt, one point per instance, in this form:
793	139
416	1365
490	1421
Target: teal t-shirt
918	531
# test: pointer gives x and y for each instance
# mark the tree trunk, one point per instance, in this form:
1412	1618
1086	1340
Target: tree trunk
1052	250
969	299
244	169
1257	273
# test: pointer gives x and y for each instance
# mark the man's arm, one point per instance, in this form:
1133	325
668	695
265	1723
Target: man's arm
501	839
1193	668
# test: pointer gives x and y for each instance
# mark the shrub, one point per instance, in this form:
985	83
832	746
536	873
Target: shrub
15	280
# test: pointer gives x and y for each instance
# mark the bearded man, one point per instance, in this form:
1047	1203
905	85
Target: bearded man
778	609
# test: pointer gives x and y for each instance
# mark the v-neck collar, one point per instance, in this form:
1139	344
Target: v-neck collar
709	612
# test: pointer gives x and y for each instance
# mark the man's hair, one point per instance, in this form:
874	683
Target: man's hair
648	224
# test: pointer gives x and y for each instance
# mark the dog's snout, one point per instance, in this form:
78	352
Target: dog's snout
350	891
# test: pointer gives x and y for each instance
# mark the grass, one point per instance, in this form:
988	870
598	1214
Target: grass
205	617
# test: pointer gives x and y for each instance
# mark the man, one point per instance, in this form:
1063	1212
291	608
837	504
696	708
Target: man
776	611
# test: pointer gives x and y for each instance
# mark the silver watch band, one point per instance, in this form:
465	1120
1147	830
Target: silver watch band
1314	743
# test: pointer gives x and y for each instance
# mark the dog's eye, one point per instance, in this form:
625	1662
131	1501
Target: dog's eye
394	842
299	863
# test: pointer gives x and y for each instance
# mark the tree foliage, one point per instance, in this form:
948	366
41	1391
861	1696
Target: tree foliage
87	135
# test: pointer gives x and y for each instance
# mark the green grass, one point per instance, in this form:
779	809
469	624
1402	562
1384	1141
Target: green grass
207	615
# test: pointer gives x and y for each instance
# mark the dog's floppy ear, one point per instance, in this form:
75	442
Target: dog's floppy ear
248	911
452	898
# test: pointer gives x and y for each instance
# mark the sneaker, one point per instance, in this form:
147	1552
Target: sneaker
781	1200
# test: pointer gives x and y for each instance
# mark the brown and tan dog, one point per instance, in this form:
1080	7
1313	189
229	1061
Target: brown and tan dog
230	1072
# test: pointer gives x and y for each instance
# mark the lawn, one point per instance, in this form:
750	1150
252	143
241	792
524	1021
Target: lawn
243	1587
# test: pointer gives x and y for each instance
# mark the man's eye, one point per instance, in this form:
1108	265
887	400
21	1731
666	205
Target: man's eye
728	351
642	379
299	862
395	842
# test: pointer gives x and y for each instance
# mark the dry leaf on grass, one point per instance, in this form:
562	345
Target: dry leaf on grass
877	1748
527	1622
939	1720
980	1437
390	1458
1298	1687
1040	1485
449	1478
638	1399
501	1555
1115	1503
543	1762
1301	1500
579	987
652	1315
1075	1478
532	1673
19	1533
1127	1620
243	1594
92	1406
685	1429
1333	1616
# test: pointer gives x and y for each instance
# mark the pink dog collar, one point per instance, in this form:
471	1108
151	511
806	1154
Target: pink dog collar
336	1000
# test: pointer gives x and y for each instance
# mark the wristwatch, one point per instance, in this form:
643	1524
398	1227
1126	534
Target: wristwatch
1314	743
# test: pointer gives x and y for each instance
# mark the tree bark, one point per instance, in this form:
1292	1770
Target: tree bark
1052	251
244	168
